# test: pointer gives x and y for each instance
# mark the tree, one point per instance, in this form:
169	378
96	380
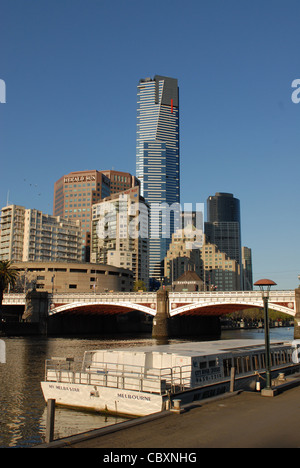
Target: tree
139	286
8	276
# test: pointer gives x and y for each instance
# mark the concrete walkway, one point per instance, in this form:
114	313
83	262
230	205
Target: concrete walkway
245	420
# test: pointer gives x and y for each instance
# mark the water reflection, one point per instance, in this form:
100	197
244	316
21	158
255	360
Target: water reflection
22	406
69	422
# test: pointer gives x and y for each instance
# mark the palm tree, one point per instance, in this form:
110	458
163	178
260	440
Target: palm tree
8	276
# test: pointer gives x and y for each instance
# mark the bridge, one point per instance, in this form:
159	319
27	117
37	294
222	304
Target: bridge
178	303
173	313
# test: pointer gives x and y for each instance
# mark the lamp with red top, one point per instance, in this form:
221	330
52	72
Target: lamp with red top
265	286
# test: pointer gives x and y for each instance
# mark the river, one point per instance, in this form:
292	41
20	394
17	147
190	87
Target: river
22	407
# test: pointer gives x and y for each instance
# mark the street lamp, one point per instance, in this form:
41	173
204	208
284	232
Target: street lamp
265	286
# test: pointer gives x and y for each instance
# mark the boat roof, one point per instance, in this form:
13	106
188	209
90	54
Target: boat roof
201	348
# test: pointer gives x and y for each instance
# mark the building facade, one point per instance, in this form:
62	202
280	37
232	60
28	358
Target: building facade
120	233
215	268
219	272
64	277
120	181
74	195
30	235
223	226
181	255
157	159
247	269
76	192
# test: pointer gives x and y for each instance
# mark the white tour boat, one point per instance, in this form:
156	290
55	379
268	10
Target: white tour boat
140	381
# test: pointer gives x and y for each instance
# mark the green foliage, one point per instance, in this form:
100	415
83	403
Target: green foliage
8	276
139	286
256	314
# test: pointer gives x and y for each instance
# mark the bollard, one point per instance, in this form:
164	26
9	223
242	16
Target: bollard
232	379
177	407
50	421
177	404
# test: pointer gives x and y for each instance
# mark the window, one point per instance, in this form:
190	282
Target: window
72	286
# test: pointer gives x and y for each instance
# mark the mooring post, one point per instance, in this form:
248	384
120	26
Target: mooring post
50	421
232	379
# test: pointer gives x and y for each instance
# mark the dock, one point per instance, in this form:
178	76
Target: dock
236	420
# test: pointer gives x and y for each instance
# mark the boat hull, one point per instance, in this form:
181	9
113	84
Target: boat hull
103	399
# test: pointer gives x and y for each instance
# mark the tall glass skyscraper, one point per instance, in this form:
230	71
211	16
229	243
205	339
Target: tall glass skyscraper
157	160
223	226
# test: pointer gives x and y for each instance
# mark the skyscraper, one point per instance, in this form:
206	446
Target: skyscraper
157	159
223	226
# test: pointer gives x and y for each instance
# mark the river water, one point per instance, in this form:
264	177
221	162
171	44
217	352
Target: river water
22	406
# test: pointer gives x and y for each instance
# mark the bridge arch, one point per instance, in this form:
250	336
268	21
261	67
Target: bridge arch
111	308
224	308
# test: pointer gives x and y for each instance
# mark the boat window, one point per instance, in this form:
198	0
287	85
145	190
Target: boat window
212	363
237	363
202	365
247	363
227	364
276	358
255	362
283	357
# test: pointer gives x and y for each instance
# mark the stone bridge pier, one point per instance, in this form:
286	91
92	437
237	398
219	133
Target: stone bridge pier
165	326
160	328
297	315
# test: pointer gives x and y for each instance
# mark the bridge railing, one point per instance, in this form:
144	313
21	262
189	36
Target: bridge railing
14	299
280	296
103	297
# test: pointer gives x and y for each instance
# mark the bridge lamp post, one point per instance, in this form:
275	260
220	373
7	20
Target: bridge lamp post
265	286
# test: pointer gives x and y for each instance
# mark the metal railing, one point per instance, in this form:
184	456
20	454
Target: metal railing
120	376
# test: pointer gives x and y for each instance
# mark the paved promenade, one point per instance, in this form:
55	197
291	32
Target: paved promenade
245	420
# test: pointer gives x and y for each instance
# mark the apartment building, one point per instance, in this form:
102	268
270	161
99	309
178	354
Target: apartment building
120	233
31	235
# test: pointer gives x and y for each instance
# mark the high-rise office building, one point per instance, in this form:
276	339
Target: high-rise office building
157	160
120	181
223	207
223	226
247	269
75	193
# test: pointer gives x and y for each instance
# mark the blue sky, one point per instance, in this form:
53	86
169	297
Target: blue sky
71	68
